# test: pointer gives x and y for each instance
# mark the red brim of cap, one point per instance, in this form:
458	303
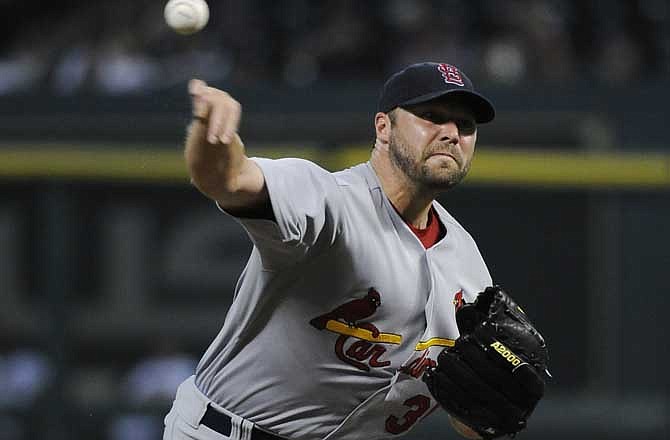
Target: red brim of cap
482	109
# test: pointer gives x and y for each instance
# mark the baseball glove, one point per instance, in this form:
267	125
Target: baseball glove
494	375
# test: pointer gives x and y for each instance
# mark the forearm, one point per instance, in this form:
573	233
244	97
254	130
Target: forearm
463	429
215	169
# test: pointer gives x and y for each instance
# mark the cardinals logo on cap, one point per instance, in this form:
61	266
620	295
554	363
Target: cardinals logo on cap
450	74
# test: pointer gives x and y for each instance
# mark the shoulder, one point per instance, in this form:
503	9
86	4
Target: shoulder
290	164
352	177
297	168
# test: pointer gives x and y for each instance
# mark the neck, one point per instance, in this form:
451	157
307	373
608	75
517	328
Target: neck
408	198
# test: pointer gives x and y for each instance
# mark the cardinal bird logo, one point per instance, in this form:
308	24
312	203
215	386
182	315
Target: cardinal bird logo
359	342
351	312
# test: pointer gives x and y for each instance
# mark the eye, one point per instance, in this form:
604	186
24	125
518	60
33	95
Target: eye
427	115
434	117
466	126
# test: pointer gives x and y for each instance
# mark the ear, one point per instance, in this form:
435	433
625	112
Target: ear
382	127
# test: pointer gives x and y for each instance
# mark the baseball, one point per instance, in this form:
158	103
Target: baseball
186	16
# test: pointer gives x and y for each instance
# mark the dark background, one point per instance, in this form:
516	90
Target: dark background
111	286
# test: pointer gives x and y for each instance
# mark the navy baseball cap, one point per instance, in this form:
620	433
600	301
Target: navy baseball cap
423	82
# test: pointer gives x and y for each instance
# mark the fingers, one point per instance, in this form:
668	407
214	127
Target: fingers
232	123
195	86
197	90
224	119
223	113
216	119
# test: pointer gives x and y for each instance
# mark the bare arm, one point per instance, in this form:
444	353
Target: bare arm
464	429
215	155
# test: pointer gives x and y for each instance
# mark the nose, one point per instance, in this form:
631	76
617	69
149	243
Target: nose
449	132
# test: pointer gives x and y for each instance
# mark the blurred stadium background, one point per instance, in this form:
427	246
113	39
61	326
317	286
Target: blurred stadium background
115	274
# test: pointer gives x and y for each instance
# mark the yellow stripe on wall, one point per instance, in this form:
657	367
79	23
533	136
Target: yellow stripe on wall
491	165
107	164
560	168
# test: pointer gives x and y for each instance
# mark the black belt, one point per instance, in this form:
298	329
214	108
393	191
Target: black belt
222	424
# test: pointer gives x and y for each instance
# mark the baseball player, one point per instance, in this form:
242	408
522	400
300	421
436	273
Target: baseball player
352	285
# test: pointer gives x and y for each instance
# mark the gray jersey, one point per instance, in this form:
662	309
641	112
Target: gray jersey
339	309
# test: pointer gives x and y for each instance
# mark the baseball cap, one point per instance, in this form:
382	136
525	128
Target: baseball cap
423	82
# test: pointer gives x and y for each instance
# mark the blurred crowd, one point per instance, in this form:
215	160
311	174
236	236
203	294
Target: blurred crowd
126	401
124	47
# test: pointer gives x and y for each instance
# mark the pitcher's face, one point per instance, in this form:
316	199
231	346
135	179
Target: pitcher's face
433	143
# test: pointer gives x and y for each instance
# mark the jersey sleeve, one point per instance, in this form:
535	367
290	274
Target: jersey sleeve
305	203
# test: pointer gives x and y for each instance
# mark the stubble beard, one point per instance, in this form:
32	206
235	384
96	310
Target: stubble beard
419	172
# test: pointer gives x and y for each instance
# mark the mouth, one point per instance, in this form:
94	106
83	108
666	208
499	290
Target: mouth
443	154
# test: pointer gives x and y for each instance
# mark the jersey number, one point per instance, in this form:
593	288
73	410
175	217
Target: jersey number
418	405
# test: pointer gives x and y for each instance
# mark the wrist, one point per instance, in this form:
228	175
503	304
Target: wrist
464	429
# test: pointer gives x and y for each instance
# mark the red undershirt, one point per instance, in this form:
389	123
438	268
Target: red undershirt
433	232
